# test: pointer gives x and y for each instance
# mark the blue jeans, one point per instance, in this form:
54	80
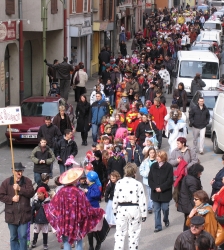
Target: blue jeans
64	168
67	246
150	202
157	210
37	178
111	98
143	99
94	132
15	231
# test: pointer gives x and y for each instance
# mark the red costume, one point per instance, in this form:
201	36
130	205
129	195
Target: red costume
131	117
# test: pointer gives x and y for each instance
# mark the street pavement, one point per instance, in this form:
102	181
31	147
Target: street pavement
148	239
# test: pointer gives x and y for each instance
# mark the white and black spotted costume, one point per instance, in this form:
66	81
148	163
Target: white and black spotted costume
129	205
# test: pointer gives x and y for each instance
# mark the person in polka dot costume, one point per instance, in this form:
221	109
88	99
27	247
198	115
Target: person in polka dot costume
129	207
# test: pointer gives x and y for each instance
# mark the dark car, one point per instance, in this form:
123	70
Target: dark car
210	98
34	110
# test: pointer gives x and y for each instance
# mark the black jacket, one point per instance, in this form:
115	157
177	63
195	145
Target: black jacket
199	118
82	116
64	149
38	214
100	169
105	76
197	85
188	186
104	56
109	193
62	70
182	101
114	129
217	184
51	133
116	164
161	177
140	131
150	94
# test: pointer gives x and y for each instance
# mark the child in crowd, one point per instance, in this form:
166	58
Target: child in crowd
131	95
109	91
96	89
93	195
148	145
54	90
100	146
106	140
113	125
118	95
109	195
150	135
44	182
123	105
82	184
39	218
102	125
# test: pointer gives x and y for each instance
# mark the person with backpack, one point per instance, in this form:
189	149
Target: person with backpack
187	186
182	151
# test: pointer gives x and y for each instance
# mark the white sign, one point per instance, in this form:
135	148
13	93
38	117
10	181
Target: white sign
10	115
86	31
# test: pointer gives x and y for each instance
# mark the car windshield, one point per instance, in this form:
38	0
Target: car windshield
39	108
214	26
199	48
208	70
210	101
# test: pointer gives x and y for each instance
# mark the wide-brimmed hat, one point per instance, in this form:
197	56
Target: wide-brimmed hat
124	94
71	175
18	166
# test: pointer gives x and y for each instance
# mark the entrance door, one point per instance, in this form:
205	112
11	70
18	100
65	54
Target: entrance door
27	49
7	78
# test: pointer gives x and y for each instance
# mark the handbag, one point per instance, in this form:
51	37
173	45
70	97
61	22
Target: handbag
102	234
77	80
220	219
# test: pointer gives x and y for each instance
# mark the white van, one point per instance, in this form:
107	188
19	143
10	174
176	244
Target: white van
213	25
210	36
189	63
217	131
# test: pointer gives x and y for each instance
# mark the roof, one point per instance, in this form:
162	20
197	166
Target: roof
200	55
42	99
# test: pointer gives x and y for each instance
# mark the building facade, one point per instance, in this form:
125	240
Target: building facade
32	47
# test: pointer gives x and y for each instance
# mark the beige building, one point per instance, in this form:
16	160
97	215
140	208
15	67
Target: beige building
32	48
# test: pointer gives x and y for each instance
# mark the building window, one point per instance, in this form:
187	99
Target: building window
9	7
85	5
54	6
110	9
74	6
104	10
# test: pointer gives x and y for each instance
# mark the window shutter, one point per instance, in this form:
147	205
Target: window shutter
110	9
9	7
54	6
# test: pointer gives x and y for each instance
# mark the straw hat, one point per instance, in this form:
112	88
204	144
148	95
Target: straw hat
71	175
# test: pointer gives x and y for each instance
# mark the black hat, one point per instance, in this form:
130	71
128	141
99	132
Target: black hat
98	153
197	220
18	166
94	144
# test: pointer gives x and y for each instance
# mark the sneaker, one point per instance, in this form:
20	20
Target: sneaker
45	247
201	153
62	246
34	244
150	211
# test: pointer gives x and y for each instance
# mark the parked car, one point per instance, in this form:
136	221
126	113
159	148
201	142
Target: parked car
34	110
217	129
210	98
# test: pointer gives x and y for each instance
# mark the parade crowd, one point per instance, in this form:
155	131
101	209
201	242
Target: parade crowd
128	117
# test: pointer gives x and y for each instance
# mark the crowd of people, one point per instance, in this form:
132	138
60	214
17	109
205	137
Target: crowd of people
128	117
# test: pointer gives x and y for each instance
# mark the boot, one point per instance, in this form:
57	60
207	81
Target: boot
85	143
98	246
35	237
90	239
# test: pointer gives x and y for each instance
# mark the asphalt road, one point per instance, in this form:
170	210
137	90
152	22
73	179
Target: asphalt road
148	239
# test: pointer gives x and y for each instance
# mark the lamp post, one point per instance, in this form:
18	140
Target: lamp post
44	7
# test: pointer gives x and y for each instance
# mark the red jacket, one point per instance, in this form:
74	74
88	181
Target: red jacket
180	172
219	203
158	114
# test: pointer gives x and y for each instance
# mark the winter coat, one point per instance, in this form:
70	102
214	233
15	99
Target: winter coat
93	96
123	49
109	89
117	164
37	155
138	156
115	77
150	94
104	56
105	76
183	103
17	212
82	116
51	133
57	120
190	156
93	195
197	85
199	118
134	85
161	177
83	78
186	240
158	113
217	184
143	87
98	110
64	149
109	193
144	170
38	214
140	131
134	44
114	129
100	169
188	186
62	70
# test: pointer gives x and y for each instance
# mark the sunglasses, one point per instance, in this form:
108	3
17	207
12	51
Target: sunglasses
196	199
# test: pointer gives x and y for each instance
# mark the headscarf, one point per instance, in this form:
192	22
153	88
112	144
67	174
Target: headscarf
43	190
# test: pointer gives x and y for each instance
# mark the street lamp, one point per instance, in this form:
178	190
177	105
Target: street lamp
44	7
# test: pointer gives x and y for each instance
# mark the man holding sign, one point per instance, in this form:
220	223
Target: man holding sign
16	196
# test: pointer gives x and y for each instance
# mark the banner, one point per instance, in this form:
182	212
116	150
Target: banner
10	115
